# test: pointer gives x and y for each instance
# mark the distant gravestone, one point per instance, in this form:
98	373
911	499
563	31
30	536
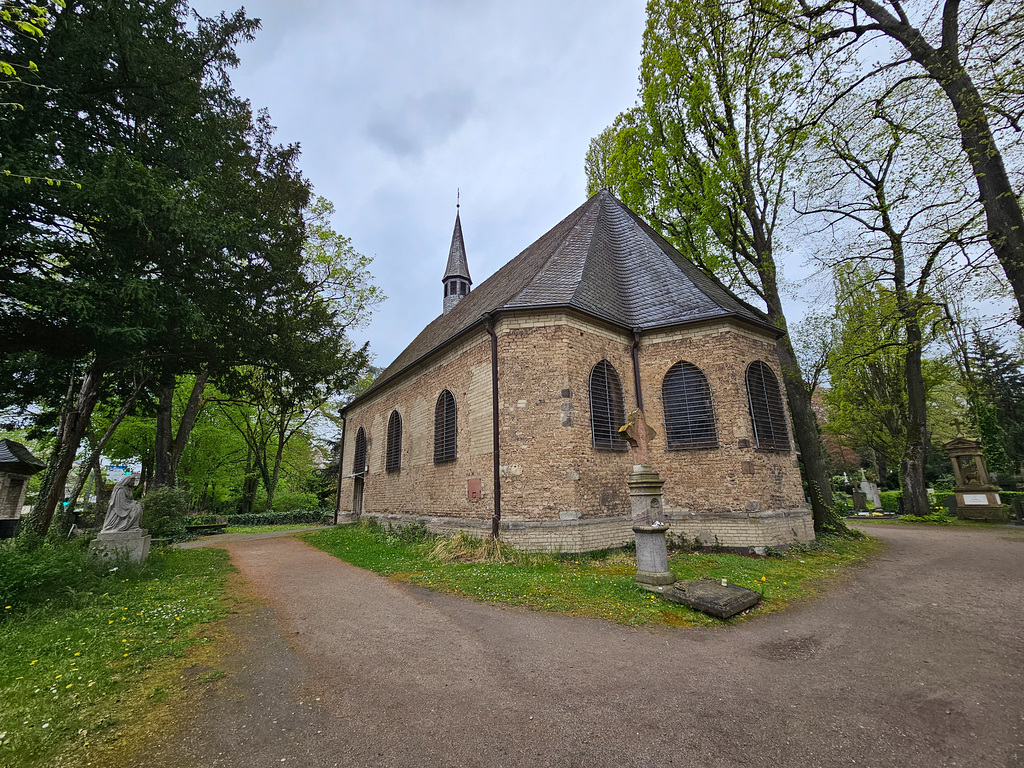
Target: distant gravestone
860	503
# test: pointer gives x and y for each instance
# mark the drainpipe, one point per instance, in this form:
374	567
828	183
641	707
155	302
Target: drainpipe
341	468
636	369
496	517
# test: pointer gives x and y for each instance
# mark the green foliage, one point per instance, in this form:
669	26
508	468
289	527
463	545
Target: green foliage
47	575
123	633
164	511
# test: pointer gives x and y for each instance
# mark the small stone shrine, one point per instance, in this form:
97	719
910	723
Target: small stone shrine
647	507
121	535
977	498
17	465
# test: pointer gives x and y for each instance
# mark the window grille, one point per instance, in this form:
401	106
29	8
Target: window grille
393	456
359	457
689	411
607	411
766	409
444	428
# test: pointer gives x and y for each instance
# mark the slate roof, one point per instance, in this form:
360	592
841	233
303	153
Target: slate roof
602	260
457	266
16	458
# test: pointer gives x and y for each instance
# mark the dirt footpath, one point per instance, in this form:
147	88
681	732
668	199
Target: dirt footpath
915	660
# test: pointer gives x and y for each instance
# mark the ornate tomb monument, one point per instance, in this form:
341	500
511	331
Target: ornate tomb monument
977	498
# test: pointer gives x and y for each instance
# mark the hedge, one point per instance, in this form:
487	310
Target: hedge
298	516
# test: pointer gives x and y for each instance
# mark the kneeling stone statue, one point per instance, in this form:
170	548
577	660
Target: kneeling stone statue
121	535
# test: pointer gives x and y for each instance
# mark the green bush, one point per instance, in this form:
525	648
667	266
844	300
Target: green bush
890	501
297	516
164	511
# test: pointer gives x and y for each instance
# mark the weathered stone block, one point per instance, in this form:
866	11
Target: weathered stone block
712	597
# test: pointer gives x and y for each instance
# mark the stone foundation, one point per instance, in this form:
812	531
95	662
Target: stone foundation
737	530
133	545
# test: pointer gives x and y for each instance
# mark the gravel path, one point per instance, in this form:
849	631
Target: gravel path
914	660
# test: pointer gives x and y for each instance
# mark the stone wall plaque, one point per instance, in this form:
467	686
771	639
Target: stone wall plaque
977	499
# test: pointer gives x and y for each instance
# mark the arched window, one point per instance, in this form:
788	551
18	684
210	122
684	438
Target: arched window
766	409
359	458
444	428
607	411
393	456
689	412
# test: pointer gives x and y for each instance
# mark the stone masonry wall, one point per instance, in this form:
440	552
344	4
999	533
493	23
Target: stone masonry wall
420	486
558	491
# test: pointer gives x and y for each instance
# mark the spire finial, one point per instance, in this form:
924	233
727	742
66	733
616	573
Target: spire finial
456	198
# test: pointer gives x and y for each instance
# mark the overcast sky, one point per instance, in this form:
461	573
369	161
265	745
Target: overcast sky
399	103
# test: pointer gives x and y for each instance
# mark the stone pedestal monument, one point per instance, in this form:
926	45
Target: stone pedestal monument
121	535
977	498
647	506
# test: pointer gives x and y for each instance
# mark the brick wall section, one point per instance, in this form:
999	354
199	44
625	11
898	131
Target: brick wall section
558	492
420	485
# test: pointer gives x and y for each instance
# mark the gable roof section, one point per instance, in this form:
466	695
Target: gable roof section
15	457
602	260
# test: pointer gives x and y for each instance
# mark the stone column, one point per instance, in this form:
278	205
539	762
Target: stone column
647	505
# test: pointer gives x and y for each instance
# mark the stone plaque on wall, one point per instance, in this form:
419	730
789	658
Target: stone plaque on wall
976	499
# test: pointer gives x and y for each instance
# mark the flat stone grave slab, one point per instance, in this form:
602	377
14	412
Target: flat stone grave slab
712	598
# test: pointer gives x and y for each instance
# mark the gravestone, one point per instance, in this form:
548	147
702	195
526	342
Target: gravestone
17	465
870	490
860	505
721	600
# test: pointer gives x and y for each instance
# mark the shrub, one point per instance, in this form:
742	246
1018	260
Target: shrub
285	501
298	517
48	573
890	501
164	511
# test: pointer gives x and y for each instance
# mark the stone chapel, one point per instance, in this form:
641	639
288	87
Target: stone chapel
503	413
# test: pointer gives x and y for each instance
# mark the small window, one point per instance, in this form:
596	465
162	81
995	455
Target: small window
359	459
444	428
393	456
607	409
766	409
689	412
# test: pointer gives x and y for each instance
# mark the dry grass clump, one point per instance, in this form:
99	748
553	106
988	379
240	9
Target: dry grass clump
464	547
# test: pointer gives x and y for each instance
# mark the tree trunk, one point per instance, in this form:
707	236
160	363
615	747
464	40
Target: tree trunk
92	464
188	421
162	449
915	495
805	428
70	433
881	467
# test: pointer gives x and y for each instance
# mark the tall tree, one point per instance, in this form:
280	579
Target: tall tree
970	52
902	217
706	156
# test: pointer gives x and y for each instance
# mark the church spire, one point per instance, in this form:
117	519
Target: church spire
456	278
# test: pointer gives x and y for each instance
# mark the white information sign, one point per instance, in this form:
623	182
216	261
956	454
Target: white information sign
976	499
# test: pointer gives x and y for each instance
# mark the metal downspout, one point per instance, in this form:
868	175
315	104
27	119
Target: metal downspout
496	517
636	369
341	468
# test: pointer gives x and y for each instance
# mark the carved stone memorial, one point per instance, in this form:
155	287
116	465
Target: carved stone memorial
121	535
977	497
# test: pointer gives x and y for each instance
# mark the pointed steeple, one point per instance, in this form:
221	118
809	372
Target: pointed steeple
456	278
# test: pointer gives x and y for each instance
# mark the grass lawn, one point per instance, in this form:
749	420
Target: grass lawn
599	585
78	681
937	519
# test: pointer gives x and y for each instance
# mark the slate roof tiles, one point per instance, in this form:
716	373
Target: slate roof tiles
602	260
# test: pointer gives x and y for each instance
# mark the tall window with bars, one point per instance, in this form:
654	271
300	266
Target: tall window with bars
444	428
689	411
359	454
393	454
607	408
766	410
